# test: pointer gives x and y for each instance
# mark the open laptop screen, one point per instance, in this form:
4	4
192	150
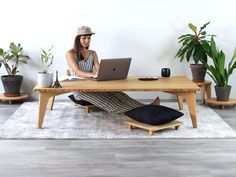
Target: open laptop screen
113	69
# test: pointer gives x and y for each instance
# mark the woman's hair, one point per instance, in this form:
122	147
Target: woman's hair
77	47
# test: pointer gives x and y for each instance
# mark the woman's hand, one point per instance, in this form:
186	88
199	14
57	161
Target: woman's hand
94	75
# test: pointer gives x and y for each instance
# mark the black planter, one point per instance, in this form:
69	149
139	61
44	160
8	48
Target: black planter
12	84
198	72
222	92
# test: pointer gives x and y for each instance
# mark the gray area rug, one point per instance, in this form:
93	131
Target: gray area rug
68	121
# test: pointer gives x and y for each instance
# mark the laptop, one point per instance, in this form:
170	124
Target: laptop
113	69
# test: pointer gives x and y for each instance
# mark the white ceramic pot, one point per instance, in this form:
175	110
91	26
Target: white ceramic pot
45	79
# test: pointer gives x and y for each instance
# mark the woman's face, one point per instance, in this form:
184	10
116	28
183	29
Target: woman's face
85	41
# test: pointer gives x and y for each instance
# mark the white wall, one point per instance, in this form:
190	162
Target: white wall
146	30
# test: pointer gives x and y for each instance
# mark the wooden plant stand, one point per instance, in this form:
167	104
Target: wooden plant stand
22	97
222	104
205	90
87	108
152	128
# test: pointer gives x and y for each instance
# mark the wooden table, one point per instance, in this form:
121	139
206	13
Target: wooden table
180	86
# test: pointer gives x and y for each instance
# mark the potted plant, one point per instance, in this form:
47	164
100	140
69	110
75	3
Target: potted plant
218	71
45	78
192	48
11	59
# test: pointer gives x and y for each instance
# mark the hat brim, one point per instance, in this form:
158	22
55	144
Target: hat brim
84	34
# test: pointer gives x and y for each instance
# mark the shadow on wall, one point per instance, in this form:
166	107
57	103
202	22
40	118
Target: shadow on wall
138	47
166	57
149	53
28	85
29	72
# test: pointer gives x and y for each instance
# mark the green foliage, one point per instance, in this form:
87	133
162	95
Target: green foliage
218	71
192	44
14	56
46	59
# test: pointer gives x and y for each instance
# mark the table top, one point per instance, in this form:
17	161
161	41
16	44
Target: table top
132	83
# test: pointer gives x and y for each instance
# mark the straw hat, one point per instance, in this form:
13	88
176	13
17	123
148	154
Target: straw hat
84	30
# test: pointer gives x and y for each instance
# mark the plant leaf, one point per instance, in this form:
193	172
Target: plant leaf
203	33
189	53
183	36
221	62
206	47
199	54
204	26
192	27
1	51
23	61
47	58
213	48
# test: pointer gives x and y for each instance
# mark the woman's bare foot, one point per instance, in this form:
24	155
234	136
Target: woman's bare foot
156	101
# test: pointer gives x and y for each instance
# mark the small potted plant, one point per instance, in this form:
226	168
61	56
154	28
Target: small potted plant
11	59
45	78
192	48
218	71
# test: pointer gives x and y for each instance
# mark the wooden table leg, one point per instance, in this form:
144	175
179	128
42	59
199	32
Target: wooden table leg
203	93
51	102
180	102
191	102
179	99
43	100
208	91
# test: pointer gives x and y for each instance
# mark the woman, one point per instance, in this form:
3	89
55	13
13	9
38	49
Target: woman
84	63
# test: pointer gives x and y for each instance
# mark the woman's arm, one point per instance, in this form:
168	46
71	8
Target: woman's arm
95	61
74	66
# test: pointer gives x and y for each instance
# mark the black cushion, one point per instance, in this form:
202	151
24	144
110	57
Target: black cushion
80	102
154	114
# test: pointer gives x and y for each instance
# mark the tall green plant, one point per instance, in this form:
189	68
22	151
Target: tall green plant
218	71
46	59
192	44
12	58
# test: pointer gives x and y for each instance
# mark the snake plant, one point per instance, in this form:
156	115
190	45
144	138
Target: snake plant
218	70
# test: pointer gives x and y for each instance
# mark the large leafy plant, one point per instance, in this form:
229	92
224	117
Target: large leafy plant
12	58
219	72
46	59
192	44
